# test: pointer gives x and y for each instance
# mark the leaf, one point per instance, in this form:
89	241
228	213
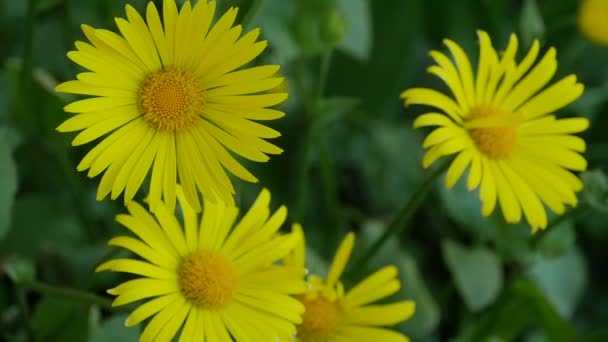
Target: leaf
559	240
358	39
595	192
531	24
554	326
274	20
477	273
413	286
20	270
60	320
463	206
522	306
386	151
114	329
562	279
41	223
8	184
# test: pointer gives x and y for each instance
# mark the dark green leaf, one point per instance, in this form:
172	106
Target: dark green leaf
59	320
20	270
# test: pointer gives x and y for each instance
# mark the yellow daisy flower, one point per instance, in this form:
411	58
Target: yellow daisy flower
593	20
168	99
213	281
500	125
332	315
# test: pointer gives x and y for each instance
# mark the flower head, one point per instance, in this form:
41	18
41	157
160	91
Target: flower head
216	280
593	20
333	314
168	100
500	126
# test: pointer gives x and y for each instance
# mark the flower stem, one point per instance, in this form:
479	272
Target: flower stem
400	222
312	105
68	293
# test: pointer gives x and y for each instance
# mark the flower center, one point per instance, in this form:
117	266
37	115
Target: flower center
320	320
208	279
493	131
170	99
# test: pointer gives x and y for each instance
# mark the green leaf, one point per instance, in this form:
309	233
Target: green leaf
333	108
521	307
559	240
595	192
274	20
476	271
58	320
531	24
554	326
20	270
114	329
511	241
562	279
358	39
413	286
41	223
598	336
385	151
8	184
463	206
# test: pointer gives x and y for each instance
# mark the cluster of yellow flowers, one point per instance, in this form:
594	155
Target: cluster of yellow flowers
170	101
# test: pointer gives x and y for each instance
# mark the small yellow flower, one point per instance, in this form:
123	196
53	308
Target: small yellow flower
212	281
333	314
169	100
500	125
593	20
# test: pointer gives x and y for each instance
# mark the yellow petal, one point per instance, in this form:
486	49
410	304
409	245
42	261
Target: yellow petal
340	259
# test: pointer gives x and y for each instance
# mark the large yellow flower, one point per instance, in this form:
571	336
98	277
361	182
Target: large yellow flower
500	125
168	98
213	281
593	20
332	315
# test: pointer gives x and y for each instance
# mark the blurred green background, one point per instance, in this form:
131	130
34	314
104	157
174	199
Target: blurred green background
351	161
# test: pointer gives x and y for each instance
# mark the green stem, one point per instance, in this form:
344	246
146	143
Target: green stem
323	73
400	222
312	104
252	12
68	293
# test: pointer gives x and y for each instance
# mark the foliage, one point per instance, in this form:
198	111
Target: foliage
351	161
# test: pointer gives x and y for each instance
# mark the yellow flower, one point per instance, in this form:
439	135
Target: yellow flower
500	125
213	281
593	20
168	99
332	315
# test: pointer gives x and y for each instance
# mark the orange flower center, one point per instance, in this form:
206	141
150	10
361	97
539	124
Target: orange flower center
320	320
171	99
493	131
208	279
